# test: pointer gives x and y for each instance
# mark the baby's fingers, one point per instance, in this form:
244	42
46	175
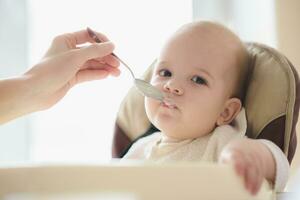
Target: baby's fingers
240	166
236	159
253	179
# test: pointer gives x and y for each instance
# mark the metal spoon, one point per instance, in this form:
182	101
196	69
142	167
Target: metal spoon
144	87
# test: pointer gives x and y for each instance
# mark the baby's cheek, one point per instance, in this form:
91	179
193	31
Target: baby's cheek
150	107
157	82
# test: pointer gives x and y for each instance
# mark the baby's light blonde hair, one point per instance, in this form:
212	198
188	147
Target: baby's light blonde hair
243	62
242	73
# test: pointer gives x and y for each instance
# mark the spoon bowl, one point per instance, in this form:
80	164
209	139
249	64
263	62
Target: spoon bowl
148	90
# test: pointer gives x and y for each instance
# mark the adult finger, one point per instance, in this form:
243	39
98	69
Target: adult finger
111	60
113	71
90	75
82	36
94	51
94	64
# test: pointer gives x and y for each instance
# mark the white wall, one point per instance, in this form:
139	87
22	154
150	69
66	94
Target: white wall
252	20
14	136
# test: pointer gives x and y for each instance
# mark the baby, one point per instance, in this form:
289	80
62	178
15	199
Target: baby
202	71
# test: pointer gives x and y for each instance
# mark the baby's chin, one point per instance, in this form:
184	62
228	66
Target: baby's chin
177	133
163	123
168	129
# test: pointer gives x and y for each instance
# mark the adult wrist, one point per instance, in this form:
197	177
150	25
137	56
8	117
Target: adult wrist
34	92
16	98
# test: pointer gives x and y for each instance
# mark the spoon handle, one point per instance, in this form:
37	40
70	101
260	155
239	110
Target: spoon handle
97	39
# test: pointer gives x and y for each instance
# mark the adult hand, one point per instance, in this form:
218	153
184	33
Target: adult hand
66	64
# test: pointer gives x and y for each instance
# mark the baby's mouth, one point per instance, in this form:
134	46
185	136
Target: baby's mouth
168	103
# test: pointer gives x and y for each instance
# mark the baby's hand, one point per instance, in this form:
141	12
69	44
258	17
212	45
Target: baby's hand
246	161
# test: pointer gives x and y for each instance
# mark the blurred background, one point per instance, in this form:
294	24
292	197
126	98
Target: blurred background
80	127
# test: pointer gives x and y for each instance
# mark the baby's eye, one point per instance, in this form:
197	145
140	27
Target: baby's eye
199	80
164	73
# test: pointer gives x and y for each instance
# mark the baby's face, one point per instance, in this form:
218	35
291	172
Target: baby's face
194	74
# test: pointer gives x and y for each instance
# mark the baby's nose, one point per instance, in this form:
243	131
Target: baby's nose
173	88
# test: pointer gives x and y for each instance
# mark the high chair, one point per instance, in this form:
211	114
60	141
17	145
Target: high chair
271	103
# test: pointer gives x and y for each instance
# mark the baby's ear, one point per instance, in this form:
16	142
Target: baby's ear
231	110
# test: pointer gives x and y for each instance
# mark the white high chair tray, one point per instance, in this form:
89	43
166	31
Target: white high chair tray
132	181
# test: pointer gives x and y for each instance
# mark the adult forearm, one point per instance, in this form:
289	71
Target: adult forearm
16	98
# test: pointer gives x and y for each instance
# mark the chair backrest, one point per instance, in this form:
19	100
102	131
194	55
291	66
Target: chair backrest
271	103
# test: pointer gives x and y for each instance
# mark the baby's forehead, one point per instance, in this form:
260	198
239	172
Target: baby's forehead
215	42
206	32
205	45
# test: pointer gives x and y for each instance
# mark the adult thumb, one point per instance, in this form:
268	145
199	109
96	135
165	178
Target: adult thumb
96	50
